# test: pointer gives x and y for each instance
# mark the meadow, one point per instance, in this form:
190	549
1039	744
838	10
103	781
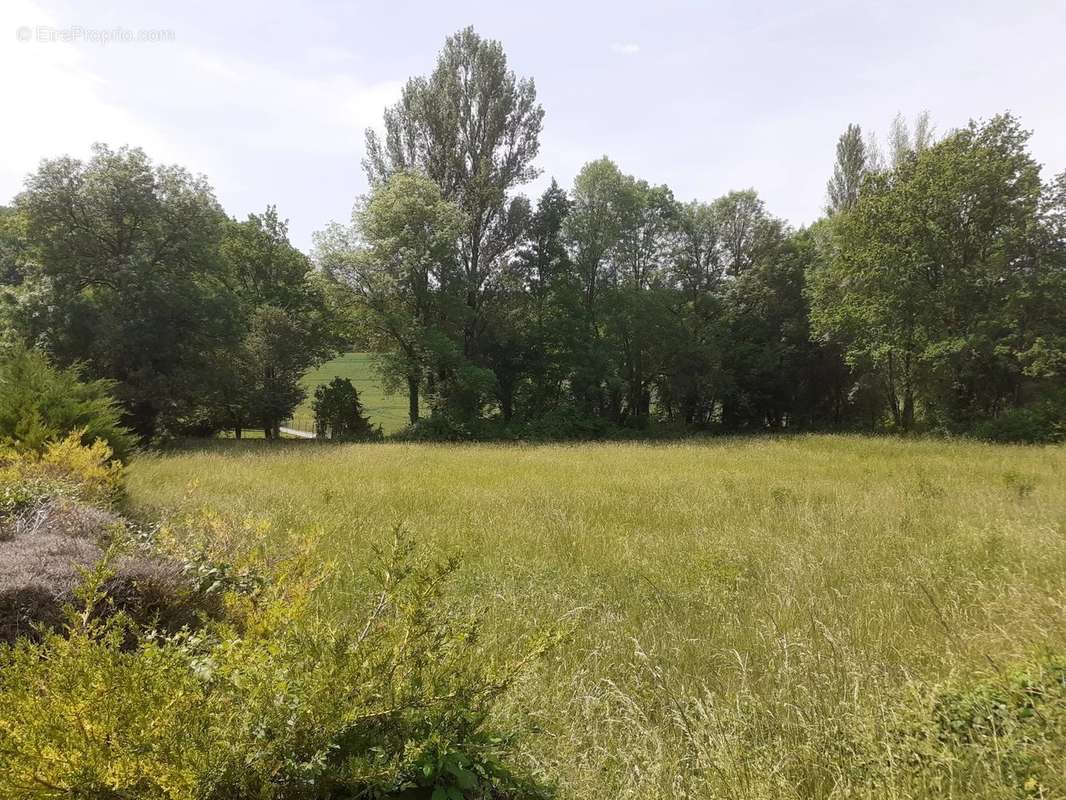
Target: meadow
761	617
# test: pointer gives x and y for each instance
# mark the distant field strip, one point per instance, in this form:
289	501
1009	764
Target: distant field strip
388	411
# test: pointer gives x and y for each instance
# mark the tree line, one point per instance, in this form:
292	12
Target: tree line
931	295
134	272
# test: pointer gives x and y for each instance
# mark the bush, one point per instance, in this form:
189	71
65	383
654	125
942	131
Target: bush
56	523
1038	424
64	469
440	427
999	735
568	425
40	403
283	706
339	413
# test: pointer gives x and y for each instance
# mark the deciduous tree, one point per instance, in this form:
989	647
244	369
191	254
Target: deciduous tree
473	128
126	278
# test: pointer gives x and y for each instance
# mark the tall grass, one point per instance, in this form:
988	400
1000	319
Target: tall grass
750	618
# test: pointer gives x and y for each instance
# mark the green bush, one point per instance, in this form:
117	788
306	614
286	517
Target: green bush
276	704
339	413
562	425
1039	424
998	735
440	427
40	403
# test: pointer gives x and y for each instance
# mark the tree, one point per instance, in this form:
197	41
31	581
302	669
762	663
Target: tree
592	231
12	247
263	266
776	375
339	413
693	373
473	129
124	277
13	266
905	141
848	172
1043	315
931	281
271	361
595	225
398	259
546	299
744	228
698	268
639	315
285	323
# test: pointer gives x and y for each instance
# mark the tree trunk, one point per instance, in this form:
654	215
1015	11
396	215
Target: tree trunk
892	395
507	401
237	431
412	399
908	394
908	408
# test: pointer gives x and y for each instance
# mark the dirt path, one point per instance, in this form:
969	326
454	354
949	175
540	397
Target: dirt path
298	434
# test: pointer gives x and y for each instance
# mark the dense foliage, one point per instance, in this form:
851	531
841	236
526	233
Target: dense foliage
945	284
931	296
133	271
339	413
64	468
40	404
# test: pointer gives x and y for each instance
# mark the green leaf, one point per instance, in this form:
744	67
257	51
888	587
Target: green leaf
465	778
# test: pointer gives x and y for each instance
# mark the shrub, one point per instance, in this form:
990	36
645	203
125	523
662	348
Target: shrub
439	427
55	524
285	706
64	468
998	735
339	413
560	425
1039	424
40	403
567	425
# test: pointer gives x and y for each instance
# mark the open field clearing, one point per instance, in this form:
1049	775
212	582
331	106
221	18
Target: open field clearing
759	617
388	411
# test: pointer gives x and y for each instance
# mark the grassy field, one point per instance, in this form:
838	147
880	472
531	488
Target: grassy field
388	411
751	618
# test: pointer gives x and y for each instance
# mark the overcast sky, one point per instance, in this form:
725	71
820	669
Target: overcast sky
270	100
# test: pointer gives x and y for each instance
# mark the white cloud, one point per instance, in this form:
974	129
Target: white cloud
261	132
54	103
625	48
285	111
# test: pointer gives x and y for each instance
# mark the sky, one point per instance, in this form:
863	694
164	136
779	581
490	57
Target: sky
271	100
